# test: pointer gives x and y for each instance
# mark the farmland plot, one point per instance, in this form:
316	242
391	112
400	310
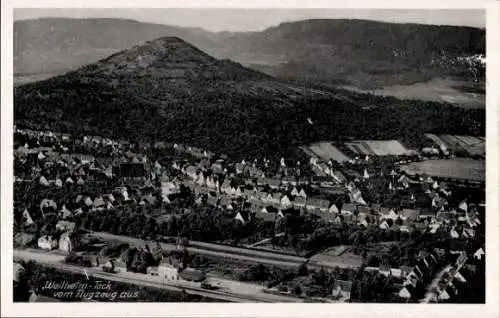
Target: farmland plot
327	151
378	148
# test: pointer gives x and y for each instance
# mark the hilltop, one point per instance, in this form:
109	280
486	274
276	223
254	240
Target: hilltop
168	89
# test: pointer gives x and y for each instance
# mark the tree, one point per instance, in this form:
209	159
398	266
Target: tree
302	270
297	290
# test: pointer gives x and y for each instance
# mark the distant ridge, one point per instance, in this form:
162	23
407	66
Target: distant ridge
362	53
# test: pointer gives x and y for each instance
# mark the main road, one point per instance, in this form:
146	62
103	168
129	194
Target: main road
231	291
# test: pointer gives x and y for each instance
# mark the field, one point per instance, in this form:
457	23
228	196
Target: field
454	91
468	145
338	255
327	151
378	148
472	170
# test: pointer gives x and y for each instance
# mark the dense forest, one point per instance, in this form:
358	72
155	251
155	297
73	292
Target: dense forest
225	108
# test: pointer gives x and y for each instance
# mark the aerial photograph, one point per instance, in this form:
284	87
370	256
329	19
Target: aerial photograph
249	155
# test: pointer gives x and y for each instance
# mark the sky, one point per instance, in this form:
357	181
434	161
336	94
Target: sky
259	19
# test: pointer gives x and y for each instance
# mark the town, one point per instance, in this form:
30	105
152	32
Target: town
361	221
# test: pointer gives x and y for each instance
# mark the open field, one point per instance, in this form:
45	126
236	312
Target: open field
463	169
336	255
327	151
378	148
469	145
457	92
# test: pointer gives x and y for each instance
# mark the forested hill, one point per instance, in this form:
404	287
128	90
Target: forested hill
167	89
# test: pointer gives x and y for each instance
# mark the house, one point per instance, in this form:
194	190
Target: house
275	198
191	172
47	243
169	269
405	270
88	201
363	209
217	167
211	183
324	215
479	254
289	180
243	217
315	203
348	209
65	243
200	179
99	202
266	216
429	214
384	225
58	183
224	201
404	293
17	272
295	192
272	183
302	193
333	209
80	181
249	193
65	226
363	220
409	214
339	177
43	181
355	196
299	202
342	289
454	234
457	275
237	192
285	201
388	214
226	187
443	295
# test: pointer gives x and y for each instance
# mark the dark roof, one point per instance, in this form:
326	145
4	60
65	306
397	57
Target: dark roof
411	214
363	209
349	207
266	217
321	203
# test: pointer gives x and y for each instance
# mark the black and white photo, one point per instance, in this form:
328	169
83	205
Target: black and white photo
250	155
